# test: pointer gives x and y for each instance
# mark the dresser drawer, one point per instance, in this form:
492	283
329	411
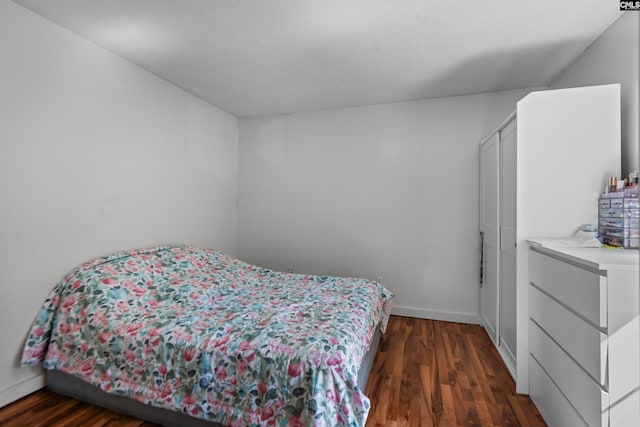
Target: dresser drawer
552	404
584	394
612	213
617	203
612	222
584	343
582	291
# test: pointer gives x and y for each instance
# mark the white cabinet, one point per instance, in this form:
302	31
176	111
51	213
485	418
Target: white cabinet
498	228
541	174
584	334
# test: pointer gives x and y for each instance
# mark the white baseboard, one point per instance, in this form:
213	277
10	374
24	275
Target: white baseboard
447	316
21	389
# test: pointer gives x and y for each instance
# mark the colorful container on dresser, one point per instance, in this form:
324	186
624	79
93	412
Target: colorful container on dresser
619	217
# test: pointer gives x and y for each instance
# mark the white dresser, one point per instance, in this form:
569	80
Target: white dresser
584	336
555	136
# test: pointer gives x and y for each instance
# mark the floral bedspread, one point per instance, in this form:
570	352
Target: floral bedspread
197	331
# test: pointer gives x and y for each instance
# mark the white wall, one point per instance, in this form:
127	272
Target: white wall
96	155
614	58
388	190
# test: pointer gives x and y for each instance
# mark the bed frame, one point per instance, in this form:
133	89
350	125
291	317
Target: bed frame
71	386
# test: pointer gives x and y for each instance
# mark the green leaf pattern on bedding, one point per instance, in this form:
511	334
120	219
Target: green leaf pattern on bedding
197	331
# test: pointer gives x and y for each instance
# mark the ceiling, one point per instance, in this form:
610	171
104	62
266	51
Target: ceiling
264	57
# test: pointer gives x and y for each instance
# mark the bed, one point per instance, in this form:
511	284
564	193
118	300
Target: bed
184	335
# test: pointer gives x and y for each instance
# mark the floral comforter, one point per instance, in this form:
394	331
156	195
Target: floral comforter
196	331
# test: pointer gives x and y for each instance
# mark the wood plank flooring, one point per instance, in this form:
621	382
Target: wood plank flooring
426	373
45	408
431	373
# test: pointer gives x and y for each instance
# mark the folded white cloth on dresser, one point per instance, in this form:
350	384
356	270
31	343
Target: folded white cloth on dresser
578	240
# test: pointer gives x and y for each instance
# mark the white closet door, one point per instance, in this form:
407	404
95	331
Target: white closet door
489	226
507	262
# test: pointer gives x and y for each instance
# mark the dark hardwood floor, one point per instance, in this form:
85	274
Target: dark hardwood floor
426	373
431	373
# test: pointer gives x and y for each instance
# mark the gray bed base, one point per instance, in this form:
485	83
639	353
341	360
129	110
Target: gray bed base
69	385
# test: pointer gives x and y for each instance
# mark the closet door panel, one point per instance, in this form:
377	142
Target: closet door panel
489	226
508	277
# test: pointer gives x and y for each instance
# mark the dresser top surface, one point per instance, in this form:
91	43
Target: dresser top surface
596	258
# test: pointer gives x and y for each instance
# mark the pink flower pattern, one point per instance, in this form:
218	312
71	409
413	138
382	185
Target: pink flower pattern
196	331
